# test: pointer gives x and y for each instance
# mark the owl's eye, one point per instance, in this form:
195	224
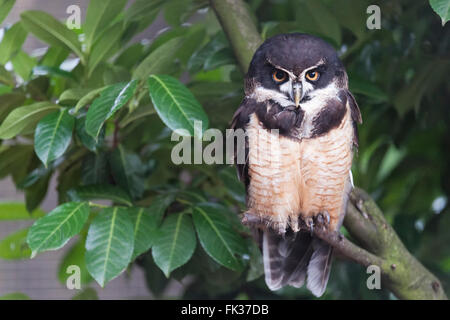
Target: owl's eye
312	75
279	76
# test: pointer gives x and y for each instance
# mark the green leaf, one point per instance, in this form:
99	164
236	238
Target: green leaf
14	246
52	231
109	244
100	191
111	99
87	98
146	222
12	42
51	31
232	185
105	47
314	17
5	8
35	194
128	171
217	236
15	296
161	60
9	102
75	256
176	105
86	294
99	15
23	64
7	79
14	161
87	140
24	118
95	169
72	96
140	9
17	211
442	8
175	243
54	57
220	58
53	135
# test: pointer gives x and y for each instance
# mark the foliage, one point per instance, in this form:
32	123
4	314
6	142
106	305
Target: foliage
97	111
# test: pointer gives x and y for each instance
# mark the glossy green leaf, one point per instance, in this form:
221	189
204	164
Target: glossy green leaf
95	169
74	256
52	231
12	41
99	15
175	243
35	194
24	117
128	171
105	47
176	105
72	96
146	222
14	246
87	140
53	135
109	244
161	60
17	211
100	191
111	99
217	236
442	8
5	8
48	29
87	98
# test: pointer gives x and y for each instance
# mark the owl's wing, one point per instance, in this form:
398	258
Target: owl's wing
240	120
356	116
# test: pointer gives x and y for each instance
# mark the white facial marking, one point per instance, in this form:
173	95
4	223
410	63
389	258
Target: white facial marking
262	94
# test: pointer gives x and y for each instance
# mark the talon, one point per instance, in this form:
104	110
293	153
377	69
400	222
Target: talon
310	223
327	216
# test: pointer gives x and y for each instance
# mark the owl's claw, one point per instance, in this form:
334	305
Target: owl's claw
254	221
310	224
323	218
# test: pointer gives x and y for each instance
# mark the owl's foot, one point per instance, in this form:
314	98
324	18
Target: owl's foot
310	224
252	220
323	219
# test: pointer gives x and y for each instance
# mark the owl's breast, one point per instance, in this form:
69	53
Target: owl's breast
298	178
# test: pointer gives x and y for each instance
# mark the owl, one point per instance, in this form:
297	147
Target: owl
300	123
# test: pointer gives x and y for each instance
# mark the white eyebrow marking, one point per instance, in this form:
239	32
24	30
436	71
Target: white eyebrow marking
291	74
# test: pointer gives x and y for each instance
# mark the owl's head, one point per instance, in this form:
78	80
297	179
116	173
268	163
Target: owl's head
290	68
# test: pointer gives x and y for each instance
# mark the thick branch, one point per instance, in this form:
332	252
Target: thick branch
238	25
403	274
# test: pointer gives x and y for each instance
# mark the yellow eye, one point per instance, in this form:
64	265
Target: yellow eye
279	76
312	75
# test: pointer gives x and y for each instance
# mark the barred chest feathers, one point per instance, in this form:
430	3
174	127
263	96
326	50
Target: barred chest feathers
305	172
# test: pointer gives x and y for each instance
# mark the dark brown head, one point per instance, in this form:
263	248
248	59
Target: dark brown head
288	68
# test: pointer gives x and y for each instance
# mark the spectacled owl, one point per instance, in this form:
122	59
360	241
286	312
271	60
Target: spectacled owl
300	123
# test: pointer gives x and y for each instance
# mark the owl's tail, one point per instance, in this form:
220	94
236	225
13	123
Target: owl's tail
295	257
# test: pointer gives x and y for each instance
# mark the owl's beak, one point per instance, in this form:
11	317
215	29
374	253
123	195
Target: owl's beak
297	93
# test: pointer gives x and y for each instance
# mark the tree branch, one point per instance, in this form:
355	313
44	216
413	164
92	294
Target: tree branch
403	274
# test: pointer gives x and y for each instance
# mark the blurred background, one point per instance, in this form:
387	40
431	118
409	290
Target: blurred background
399	75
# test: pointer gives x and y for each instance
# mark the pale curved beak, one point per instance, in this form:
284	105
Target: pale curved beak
297	93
